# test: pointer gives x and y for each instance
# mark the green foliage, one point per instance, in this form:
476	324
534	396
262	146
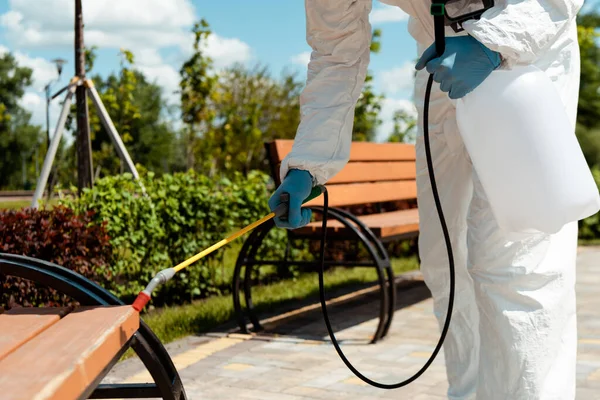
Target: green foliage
589	96
196	88
250	107
404	128
588	112
19	140
589	140
589	228
90	58
136	108
183	214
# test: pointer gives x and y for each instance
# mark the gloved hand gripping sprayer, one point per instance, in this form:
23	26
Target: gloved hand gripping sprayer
494	120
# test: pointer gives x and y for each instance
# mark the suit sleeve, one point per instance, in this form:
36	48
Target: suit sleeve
522	30
339	33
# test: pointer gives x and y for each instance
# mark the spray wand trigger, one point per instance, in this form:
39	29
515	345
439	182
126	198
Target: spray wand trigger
282	209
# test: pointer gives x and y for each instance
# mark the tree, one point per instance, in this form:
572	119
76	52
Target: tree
404	127
368	106
589	94
196	87
19	140
135	107
588	113
251	107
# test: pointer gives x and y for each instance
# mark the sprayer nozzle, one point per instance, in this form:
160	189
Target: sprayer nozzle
140	302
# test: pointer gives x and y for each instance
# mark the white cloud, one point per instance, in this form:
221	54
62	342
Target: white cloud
147	56
388	108
34	99
301	59
36	105
387	13
51	15
397	80
166	77
227	51
155	24
145	27
44	71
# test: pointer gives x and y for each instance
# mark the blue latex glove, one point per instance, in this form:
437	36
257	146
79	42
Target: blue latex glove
298	183
465	64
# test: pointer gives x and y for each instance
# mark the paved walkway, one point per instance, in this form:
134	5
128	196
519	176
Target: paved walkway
297	362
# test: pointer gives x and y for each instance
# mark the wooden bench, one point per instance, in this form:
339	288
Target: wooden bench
47	354
63	353
377	174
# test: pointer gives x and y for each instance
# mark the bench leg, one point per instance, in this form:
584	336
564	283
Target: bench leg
248	276
248	251
384	259
392	296
366	237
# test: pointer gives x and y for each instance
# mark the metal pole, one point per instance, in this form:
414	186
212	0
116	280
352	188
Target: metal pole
84	148
48	115
112	132
49	160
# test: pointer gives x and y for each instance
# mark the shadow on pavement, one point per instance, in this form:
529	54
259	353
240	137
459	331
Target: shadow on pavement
309	325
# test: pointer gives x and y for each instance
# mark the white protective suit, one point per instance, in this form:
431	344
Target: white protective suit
513	333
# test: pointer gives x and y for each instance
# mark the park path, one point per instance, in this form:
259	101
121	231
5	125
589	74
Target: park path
296	361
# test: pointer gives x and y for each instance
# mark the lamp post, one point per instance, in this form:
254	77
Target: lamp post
59	62
59	66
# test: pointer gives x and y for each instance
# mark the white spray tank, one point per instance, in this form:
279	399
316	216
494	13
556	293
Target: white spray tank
524	150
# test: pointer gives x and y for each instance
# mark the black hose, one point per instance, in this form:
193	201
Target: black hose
450	260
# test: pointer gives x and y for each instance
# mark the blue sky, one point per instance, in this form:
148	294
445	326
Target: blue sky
271	32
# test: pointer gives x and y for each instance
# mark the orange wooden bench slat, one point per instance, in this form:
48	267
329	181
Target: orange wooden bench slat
363	193
19	325
383	225
359	151
64	360
355	172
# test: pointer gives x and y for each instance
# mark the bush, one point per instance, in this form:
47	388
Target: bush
59	236
589	228
182	214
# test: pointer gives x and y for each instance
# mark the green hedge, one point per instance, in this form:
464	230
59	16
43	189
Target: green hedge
181	215
589	228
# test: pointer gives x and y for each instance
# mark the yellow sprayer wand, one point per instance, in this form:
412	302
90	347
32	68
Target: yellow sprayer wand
166	274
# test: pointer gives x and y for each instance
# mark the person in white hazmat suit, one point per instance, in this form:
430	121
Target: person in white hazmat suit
513	331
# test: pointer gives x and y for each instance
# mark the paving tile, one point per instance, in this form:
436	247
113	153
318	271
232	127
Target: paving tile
301	364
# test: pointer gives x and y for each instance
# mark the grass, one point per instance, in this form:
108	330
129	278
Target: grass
589	242
18	204
172	323
14	205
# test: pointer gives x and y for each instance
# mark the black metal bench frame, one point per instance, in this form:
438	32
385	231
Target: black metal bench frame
379	259
167	383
